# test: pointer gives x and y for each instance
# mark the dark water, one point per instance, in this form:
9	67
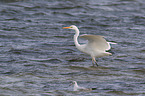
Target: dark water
38	57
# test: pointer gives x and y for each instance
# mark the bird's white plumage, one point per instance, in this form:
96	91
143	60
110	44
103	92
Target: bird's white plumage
96	46
78	88
97	42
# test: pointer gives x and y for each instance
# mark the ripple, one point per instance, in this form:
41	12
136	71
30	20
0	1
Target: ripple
140	71
10	1
122	93
39	58
88	68
39	14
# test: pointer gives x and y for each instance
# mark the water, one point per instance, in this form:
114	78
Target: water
38	57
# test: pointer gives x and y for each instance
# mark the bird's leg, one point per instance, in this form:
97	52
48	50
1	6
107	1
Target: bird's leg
94	60
96	63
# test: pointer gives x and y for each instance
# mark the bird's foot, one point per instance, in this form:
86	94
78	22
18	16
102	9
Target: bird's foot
95	65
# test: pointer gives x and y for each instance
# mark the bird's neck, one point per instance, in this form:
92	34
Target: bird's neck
76	37
76	87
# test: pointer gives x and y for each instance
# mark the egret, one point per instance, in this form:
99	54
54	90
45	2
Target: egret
78	88
96	46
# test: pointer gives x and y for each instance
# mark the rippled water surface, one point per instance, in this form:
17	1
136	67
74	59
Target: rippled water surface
38	57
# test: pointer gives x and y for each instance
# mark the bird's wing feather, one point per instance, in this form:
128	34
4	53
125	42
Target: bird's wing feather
96	41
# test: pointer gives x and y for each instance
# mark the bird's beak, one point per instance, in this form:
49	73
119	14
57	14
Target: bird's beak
65	27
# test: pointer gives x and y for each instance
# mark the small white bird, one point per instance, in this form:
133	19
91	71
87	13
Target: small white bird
96	46
78	88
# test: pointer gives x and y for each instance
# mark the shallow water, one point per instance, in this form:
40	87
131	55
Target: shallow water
38	57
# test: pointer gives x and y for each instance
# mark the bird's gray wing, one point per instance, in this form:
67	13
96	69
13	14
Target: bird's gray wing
97	42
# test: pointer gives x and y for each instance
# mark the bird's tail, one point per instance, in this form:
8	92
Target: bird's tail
112	43
107	53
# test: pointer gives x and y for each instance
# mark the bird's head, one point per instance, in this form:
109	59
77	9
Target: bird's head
73	27
73	83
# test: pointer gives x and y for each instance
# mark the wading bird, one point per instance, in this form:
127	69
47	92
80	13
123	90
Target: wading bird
96	46
78	88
